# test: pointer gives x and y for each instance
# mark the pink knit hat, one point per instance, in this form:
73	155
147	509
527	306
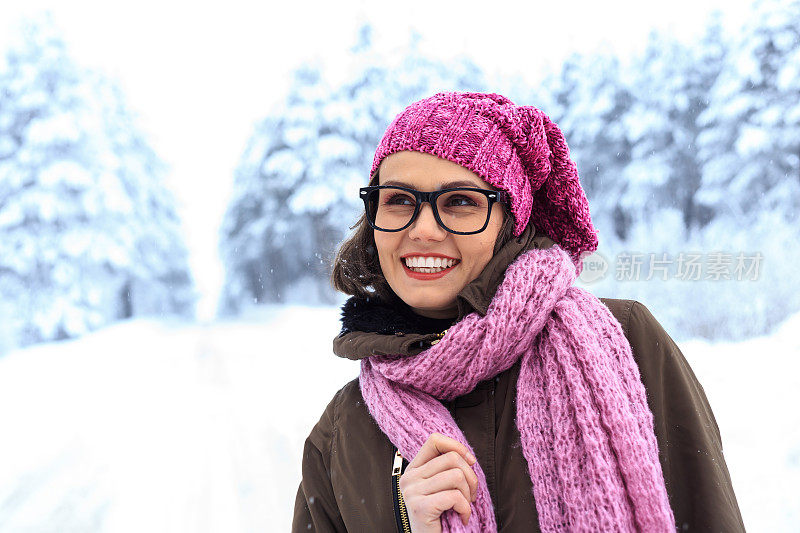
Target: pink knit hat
514	148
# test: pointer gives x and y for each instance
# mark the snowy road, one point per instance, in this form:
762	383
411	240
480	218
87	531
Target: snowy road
149	426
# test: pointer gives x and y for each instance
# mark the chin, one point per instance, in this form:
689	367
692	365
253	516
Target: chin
424	302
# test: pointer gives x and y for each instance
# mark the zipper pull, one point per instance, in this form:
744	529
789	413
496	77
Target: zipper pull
398	464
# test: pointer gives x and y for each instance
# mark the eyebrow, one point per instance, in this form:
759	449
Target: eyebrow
448	185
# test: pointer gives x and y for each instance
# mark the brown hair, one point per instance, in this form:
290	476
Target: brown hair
356	269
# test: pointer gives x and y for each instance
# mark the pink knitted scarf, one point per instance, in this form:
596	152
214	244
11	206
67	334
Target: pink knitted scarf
586	430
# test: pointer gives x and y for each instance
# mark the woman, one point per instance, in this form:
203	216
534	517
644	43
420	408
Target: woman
523	402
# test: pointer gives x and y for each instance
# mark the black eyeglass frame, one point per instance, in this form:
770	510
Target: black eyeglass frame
431	197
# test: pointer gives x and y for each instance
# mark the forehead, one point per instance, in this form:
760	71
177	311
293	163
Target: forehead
426	172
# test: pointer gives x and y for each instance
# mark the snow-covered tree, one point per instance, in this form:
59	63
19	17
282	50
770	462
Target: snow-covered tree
88	231
693	147
670	82
588	100
296	187
751	144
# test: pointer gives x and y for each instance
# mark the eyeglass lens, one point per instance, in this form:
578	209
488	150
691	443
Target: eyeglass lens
460	210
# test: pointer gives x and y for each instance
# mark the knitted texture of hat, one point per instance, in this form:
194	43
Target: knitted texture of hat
515	148
585	427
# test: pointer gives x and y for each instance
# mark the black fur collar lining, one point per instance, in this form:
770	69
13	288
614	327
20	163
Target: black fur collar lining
388	318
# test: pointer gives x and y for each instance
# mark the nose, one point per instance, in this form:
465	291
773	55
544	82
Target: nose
425	226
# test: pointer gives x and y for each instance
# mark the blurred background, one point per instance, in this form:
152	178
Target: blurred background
175	178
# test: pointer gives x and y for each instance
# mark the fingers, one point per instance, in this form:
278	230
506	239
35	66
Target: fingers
438	444
450	471
428	509
453	499
448	480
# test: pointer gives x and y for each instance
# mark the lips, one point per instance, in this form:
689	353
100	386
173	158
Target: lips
426	254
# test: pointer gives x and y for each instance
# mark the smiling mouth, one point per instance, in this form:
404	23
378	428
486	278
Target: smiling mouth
445	266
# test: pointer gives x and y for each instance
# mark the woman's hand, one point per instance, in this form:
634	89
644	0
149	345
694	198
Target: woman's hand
439	478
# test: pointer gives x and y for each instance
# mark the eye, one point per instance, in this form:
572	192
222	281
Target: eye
460	201
399	199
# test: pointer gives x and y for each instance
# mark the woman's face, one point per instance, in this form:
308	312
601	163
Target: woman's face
434	298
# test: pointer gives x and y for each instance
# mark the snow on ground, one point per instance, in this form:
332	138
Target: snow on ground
164	426
754	390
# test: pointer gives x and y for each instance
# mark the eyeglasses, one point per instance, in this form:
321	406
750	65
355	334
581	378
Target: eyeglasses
459	210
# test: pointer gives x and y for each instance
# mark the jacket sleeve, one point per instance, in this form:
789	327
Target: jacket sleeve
690	447
315	507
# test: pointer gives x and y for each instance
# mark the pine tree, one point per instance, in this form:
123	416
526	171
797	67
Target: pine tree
670	83
751	147
89	234
589	103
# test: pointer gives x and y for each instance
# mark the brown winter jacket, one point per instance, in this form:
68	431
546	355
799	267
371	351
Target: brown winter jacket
348	482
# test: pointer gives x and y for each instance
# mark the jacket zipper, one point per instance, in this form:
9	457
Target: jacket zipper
400	511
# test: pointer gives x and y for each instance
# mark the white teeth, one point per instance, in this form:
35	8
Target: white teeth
429	264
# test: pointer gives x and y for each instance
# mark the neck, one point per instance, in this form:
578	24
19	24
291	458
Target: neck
450	312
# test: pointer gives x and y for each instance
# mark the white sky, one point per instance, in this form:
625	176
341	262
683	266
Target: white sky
201	74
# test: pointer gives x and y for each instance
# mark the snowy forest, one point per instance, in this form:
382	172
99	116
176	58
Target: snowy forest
685	148
88	233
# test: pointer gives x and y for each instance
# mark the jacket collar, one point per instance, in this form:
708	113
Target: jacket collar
375	327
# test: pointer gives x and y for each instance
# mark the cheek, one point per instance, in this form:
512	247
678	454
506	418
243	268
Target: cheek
385	246
486	253
481	249
477	253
